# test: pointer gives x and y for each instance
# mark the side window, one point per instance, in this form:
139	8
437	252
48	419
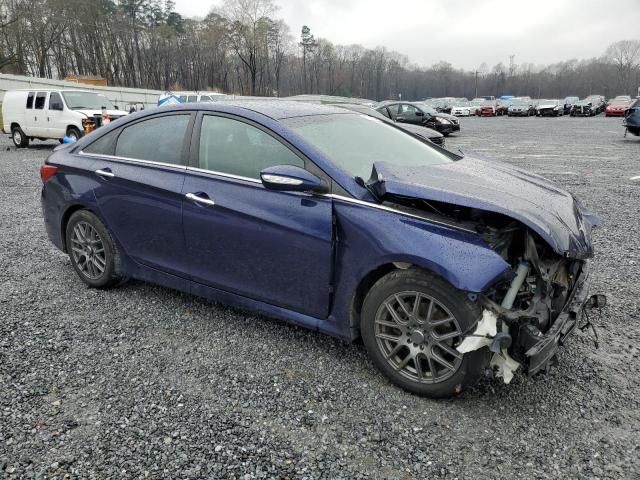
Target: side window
55	101
158	139
192	99
409	109
236	148
393	109
30	97
41	97
105	145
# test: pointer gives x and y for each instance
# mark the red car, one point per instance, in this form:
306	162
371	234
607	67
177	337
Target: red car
492	109
617	107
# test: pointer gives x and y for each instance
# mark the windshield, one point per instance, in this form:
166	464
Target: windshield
462	103
86	101
426	108
354	142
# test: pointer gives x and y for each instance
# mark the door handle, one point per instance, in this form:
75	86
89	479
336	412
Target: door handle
106	173
197	198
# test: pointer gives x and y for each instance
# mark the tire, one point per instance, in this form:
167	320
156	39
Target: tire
74	133
88	239
411	361
20	140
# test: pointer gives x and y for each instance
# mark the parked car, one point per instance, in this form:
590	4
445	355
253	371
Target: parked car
569	102
44	114
550	108
493	108
475	105
521	107
417	113
264	205
461	108
588	107
631	120
427	133
617	106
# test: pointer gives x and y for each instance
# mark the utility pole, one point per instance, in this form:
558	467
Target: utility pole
476	75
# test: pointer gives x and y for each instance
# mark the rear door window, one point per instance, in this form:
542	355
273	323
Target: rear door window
237	148
41	98
159	139
30	98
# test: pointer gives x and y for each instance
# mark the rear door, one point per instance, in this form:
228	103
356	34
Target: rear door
140	170
35	121
270	246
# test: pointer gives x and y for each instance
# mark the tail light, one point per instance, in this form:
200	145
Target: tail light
47	171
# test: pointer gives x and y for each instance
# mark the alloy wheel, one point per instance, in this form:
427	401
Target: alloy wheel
416	335
88	250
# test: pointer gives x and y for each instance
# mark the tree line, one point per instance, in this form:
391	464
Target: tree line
243	48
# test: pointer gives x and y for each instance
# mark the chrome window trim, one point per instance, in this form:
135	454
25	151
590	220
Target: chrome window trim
225	175
132	160
399	212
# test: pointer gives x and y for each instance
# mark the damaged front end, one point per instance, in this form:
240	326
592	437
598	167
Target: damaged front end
538	309
529	313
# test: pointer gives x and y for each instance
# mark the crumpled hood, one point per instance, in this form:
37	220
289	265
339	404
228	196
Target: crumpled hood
549	105
553	213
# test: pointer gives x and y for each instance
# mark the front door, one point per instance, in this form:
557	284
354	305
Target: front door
139	174
409	114
271	246
56	124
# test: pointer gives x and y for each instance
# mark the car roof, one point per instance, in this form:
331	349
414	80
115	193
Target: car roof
274	109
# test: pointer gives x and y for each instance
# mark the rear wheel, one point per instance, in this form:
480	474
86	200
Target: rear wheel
93	253
20	140
412	322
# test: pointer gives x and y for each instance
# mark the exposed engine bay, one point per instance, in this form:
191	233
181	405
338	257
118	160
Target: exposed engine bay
528	313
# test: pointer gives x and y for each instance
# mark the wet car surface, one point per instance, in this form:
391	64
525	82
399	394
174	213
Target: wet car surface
265	394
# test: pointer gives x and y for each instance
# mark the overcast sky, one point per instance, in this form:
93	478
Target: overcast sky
462	32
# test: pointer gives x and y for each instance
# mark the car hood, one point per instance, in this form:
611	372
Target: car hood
112	113
447	116
553	213
548	105
419	130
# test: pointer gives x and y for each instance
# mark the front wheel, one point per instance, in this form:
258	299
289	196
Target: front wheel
93	253
412	322
74	133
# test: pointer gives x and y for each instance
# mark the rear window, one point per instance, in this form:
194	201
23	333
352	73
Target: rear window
41	97
105	145
158	139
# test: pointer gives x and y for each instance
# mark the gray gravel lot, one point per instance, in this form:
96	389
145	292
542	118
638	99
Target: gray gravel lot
142	381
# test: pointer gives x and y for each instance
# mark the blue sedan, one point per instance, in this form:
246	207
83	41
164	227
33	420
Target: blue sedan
444	266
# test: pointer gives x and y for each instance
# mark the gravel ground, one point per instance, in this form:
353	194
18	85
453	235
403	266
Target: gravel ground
142	381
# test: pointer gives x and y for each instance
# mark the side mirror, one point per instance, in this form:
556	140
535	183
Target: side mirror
290	178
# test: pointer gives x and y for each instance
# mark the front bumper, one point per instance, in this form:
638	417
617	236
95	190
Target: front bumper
538	356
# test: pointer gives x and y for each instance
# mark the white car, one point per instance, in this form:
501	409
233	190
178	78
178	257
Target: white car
461	109
44	114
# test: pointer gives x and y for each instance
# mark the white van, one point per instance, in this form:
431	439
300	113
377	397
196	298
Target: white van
42	114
